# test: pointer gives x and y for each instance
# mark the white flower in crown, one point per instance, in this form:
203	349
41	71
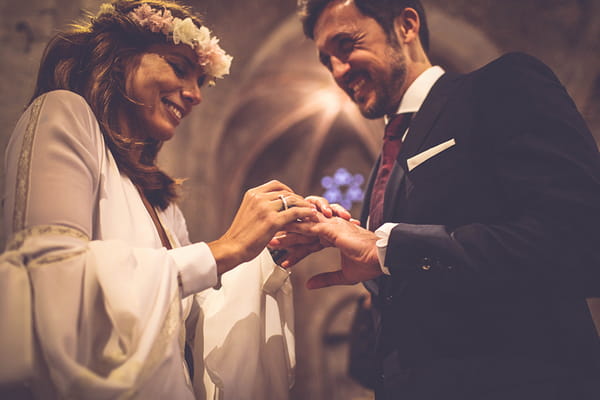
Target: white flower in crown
186	32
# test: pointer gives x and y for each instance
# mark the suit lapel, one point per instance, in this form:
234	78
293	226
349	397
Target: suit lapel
364	214
419	128
425	119
394	192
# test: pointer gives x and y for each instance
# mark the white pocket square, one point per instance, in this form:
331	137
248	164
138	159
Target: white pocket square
420	158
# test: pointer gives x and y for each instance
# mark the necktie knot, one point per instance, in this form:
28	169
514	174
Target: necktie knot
397	125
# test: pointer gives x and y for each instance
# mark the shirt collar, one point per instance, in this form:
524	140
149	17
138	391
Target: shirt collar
418	90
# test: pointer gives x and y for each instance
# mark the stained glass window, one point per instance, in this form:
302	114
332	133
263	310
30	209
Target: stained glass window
343	188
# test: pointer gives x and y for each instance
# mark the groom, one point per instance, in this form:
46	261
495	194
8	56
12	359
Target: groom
480	215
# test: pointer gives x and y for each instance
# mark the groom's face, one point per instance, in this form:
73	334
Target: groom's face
368	66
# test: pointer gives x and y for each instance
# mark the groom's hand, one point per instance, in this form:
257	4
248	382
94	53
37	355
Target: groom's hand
359	260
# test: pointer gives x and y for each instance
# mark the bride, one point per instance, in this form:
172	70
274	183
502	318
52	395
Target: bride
101	290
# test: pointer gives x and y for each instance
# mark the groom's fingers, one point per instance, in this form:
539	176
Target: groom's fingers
326	279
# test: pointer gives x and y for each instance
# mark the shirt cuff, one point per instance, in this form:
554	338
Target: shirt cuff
197	267
383	234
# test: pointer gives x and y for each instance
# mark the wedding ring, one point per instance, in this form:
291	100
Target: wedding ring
284	204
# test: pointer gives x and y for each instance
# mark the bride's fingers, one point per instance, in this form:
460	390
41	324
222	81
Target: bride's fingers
322	205
326	279
287	200
289	239
341	212
329	210
271	186
293	214
297	253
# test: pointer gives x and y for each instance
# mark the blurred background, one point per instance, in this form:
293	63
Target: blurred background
280	116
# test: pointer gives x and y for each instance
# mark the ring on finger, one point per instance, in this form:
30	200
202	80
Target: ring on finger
284	204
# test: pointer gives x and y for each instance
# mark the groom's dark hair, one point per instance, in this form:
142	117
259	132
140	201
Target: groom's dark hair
382	11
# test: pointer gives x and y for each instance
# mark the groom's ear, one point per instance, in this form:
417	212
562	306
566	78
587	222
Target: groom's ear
407	25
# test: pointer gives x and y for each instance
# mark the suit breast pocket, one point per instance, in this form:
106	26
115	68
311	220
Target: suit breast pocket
418	159
439	160
437	184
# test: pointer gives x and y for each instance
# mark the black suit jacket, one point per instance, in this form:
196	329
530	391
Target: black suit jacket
496	238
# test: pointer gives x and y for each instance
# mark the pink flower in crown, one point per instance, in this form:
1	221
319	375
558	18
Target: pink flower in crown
161	21
203	50
141	13
214	59
155	20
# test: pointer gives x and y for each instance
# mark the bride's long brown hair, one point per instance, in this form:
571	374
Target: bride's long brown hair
91	59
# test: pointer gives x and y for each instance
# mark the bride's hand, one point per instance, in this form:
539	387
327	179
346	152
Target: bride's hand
264	211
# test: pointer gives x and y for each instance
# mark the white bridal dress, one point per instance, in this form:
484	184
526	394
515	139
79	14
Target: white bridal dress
94	307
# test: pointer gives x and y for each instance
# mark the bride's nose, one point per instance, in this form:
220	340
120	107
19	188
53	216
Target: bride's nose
192	93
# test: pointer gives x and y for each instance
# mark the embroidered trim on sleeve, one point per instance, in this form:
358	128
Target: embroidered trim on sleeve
24	165
17	239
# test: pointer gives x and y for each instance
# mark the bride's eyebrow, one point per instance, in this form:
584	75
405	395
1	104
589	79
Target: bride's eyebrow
185	58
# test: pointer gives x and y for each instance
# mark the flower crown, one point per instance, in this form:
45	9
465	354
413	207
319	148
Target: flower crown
211	57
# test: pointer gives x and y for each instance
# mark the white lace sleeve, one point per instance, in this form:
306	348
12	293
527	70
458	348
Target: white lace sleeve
246	336
196	263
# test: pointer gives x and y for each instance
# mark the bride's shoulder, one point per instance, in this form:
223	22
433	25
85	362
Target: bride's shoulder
64	100
65	116
67	107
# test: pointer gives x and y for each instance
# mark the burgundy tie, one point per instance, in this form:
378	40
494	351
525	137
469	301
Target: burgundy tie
392	141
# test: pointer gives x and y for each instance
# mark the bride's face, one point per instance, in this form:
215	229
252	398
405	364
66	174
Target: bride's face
166	83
